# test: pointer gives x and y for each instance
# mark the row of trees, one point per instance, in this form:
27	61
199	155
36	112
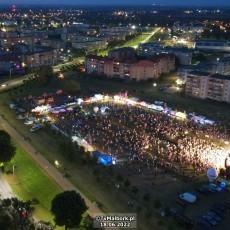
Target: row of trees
67	208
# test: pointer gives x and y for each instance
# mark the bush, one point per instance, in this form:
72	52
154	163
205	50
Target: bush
156	204
72	87
138	209
146	197
161	222
120	178
127	183
148	214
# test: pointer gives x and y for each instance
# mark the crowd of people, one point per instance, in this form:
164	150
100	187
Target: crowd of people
136	134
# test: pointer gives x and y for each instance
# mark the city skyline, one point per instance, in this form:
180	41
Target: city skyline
121	2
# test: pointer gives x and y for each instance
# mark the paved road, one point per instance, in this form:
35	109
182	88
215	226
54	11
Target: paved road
57	68
47	166
5	189
13	83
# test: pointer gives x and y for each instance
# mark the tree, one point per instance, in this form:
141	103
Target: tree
15	214
146	197
67	208
7	149
6	221
127	183
72	87
45	73
120	177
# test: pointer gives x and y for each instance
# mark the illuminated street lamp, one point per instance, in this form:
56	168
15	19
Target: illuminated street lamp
10	73
155	84
57	164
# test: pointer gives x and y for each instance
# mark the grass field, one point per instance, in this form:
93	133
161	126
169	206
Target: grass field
131	43
136	41
29	181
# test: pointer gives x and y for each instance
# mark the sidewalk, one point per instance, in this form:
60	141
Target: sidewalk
5	189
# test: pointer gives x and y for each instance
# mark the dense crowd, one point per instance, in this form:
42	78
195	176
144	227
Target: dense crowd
140	135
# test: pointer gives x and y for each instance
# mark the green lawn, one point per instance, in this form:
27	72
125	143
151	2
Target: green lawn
29	181
133	42
136	41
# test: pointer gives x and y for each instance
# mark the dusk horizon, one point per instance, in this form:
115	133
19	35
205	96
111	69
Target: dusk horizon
194	3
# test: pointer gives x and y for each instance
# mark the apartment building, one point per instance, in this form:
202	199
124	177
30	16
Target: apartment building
223	66
9	62
40	57
117	30
151	48
205	85
221	45
54	43
132	69
89	43
125	53
8	42
184	70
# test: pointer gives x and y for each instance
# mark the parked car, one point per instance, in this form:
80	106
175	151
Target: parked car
194	193
217	211
21	110
214	215
29	121
225	204
181	203
190	198
221	207
185	220
207	188
13	106
210	220
215	187
202	191
21	117
36	127
201	224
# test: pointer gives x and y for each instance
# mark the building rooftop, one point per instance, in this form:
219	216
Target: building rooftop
199	73
220	76
226	59
8	58
205	74
212	40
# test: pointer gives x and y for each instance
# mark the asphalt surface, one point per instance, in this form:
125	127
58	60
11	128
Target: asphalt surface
12	83
46	166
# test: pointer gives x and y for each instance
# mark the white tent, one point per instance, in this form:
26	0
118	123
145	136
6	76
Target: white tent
82	142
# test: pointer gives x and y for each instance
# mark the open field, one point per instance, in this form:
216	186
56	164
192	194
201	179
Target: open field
136	41
28	181
133	42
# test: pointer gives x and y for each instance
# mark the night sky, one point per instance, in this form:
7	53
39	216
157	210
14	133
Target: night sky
123	2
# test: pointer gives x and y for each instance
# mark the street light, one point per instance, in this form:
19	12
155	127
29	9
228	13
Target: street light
10	73
57	164
154	84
